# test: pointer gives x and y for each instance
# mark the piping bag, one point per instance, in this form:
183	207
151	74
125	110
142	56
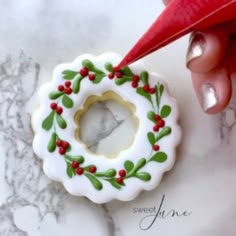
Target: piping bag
178	19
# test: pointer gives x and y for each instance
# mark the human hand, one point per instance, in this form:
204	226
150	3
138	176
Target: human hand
211	58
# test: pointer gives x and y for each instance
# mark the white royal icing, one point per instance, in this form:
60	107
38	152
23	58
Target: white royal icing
54	164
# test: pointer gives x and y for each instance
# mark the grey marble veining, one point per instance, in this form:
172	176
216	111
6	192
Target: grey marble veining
22	171
102	123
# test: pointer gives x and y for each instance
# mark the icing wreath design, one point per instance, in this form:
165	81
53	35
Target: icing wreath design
61	99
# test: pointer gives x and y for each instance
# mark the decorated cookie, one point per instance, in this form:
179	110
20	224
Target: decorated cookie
68	160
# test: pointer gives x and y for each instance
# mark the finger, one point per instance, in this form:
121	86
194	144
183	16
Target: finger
213	89
231	62
207	49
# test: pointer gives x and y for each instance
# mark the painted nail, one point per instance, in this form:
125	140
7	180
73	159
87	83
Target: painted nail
208	97
196	47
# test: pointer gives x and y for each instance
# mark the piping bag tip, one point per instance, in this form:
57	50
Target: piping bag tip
179	18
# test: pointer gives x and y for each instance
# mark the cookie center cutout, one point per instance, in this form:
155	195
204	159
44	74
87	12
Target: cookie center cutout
107	124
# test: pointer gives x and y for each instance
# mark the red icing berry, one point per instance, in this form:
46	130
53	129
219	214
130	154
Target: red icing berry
65	145
156	147
67	83
92	77
92	169
119	180
74	164
115	68
61	88
110	75
84	72
79	171
146	88
59	110
53	106
59	143
62	150
122	173
134	84
152	90
161	123
136	78
155	128
157	117
119	74
68	91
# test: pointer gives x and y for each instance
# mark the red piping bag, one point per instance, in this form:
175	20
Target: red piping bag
179	18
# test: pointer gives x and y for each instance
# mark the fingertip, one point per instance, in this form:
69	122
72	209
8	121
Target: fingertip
213	89
207	49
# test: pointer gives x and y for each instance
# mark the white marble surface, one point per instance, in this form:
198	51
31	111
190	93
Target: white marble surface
106	121
36	36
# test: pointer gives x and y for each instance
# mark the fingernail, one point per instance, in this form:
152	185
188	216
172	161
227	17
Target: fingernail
196	47
208	97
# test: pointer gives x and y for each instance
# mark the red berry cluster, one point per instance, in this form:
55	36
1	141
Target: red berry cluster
57	108
147	89
115	73
122	174
79	170
160	123
135	81
63	146
85	72
66	88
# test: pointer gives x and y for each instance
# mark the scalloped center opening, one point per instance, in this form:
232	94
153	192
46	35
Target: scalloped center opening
106	125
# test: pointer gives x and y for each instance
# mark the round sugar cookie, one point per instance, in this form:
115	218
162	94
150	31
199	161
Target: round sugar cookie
68	160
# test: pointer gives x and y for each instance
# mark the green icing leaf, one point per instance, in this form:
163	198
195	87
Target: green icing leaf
143	176
164	132
159	157
157	96
69	74
69	148
144	77
139	165
99	77
60	121
109	67
151	116
151	138
79	159
108	173
141	162
76	85
95	182
165	111
54	95
161	89
113	182
128	166
48	121
126	71
124	79
144	94
67	101
52	142
89	65
69	170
